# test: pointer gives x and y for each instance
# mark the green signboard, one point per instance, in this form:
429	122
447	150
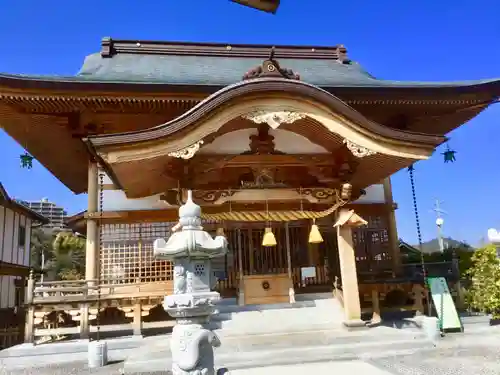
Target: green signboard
443	302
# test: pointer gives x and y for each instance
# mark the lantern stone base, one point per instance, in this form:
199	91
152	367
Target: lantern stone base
287	348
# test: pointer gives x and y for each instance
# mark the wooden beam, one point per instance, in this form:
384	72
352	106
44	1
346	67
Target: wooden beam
171	214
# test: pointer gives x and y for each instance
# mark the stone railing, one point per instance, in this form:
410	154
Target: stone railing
68	308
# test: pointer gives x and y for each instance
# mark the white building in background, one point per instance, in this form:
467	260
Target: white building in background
16	222
54	213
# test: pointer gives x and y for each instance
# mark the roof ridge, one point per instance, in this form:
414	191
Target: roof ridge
111	47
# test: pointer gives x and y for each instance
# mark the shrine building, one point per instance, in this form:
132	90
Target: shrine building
288	150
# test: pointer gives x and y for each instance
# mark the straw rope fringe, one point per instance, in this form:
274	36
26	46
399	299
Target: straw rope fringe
272	215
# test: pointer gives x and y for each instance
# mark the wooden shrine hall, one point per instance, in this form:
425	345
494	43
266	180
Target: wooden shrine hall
288	150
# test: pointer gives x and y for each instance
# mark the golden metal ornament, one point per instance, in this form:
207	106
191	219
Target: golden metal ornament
269	240
315	234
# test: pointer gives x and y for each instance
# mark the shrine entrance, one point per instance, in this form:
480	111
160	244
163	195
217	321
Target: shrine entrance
311	268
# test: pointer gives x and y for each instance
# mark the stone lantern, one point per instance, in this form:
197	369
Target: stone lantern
191	249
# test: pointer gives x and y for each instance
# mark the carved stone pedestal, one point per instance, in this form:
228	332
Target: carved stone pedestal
192	347
193	302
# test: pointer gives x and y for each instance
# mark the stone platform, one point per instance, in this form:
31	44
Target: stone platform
340	367
309	312
246	351
310	330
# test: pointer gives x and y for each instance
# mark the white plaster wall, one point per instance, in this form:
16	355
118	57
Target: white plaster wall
374	194
27	248
116	200
11	250
8	235
239	141
7	292
4	292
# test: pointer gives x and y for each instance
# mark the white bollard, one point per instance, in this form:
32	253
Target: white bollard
97	354
430	325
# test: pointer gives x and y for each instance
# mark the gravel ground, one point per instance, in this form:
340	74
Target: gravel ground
459	360
76	368
458	356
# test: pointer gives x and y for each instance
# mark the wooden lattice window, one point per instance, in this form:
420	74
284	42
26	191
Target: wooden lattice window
371	245
127	253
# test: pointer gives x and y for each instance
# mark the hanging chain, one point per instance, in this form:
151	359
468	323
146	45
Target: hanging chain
99	247
411	169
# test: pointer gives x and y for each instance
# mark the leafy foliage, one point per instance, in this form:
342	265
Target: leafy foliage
484	294
464	254
64	254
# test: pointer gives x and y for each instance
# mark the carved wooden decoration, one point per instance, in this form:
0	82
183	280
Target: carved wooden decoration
358	151
262	142
270	68
211	196
187	152
274	119
318	193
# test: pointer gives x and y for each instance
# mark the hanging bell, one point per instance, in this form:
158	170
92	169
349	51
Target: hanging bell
220	232
269	240
315	234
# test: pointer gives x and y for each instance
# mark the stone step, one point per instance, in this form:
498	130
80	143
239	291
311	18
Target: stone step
239	352
320	313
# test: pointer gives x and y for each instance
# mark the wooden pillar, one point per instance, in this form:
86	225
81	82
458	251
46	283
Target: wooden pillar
352	306
241	294
392	228
291	291
91	250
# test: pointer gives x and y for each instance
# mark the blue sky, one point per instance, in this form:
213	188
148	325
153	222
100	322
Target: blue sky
403	40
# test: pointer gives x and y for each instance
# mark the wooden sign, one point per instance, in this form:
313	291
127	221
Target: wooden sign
443	302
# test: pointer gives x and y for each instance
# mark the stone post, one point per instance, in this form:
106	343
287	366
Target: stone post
29	327
193	303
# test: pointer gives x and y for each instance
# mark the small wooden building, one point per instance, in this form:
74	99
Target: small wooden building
16	222
282	137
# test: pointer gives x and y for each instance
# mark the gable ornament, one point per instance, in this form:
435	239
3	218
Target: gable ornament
187	152
358	151
274	119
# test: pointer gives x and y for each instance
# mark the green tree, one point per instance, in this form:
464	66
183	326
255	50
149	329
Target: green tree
484	294
41	247
68	256
62	254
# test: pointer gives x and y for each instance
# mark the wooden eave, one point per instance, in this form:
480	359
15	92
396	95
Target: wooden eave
19	89
145	153
10	203
11	269
58	97
247	90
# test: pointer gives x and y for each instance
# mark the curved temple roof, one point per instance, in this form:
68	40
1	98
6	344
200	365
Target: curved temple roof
133	73
321	117
219	65
260	86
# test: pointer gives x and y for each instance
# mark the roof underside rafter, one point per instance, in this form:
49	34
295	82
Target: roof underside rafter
165	79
